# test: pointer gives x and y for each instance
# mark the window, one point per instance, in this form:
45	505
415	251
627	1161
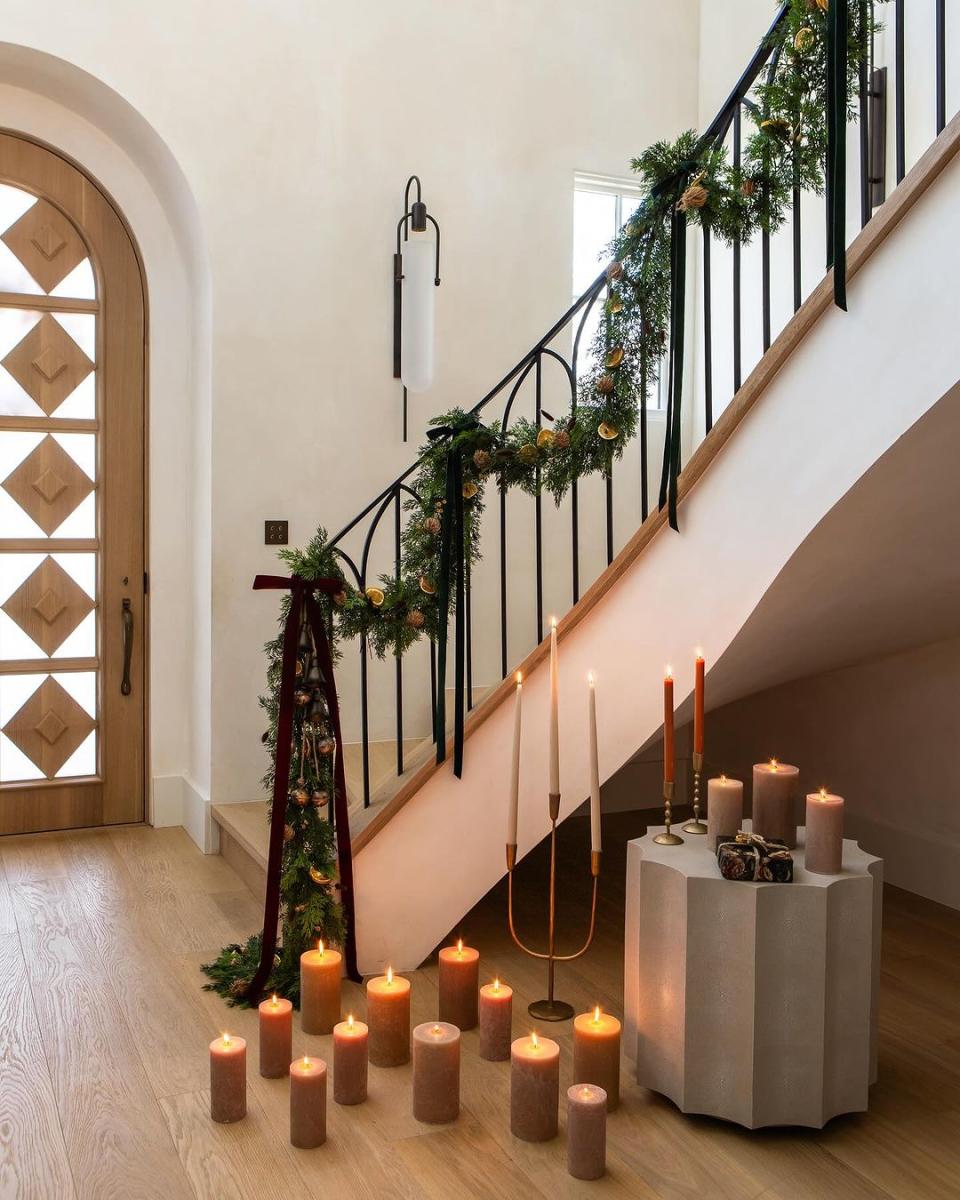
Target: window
602	205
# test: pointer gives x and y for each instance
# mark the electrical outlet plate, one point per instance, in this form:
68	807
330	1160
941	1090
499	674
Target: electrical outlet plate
275	533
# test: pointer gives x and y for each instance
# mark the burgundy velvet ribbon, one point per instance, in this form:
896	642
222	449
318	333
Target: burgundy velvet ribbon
303	599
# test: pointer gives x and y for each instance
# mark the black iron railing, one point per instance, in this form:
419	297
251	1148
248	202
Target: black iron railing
558	352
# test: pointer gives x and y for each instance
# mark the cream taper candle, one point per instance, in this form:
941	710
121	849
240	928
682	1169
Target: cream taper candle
594	769
514	806
554	748
824	836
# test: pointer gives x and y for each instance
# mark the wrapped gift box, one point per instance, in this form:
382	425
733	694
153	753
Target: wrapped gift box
750	857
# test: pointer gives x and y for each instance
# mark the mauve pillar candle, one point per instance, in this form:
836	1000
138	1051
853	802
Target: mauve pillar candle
586	1131
320	975
388	1016
596	1053
350	1039
276	1037
459	981
436	1072
308	1103
228	1079
824	837
724	809
775	801
534	1088
496	1021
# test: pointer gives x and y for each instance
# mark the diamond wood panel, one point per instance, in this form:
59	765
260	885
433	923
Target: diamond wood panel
48	606
49	727
48	485
48	364
46	243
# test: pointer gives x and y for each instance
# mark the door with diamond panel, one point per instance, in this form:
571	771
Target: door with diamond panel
72	500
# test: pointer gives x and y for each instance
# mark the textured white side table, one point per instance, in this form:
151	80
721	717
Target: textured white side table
755	1002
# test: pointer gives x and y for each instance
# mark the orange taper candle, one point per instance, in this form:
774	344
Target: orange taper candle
668	763
698	707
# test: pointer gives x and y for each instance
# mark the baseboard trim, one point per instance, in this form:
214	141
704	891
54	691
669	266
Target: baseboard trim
175	800
915	862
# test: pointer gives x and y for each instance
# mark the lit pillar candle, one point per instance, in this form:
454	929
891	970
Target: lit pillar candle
596	1053
534	1088
554	712
228	1079
724	809
459	981
586	1131
308	1103
388	1016
698	705
276	1037
668	752
436	1072
514	807
496	1021
320	975
594	770
775	801
350	1040
824	837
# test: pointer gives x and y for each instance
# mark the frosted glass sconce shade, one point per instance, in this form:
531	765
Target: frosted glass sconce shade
418	314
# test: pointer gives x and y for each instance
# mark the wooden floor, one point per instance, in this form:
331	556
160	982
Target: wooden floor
104	1028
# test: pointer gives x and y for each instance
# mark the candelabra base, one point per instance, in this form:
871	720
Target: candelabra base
694	827
551	1010
668	839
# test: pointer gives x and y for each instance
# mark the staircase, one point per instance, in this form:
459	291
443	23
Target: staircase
830	396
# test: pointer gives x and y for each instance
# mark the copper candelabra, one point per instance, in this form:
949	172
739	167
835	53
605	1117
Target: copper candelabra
552	1009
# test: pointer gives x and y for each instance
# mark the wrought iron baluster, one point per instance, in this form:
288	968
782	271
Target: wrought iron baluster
538	506
941	65
399	657
737	366
364	722
898	19
707	335
865	65
503	581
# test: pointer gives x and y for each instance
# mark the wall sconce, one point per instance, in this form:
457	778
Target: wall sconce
416	272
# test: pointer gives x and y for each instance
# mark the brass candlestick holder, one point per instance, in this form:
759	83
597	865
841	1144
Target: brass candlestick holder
552	1009
667	838
696	825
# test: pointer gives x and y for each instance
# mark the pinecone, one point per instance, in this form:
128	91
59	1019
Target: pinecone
605	384
238	987
431	525
695	196
561	440
415	618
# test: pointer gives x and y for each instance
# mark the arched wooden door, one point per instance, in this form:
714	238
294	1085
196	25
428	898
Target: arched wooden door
72	500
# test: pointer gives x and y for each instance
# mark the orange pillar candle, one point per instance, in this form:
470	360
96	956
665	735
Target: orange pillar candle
350	1039
668	752
496	1021
724	809
320	975
586	1131
459	980
596	1053
698	705
436	1072
228	1079
276	1037
775	801
388	1016
308	1103
824	836
534	1088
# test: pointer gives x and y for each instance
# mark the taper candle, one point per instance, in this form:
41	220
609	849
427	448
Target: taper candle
228	1079
534	1088
775	801
320	975
350	1040
276	1037
724	809
669	769
554	712
496	1021
596	1053
824	836
388	1016
436	1072
594	769
308	1103
698	705
459	981
514	805
586	1131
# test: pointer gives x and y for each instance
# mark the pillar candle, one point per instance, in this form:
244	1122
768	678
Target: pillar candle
698	705
586	1131
554	788
436	1072
276	1037
724	809
594	771
534	1088
350	1040
596	1053
668	760
824	838
308	1103
496	1021
515	766
320	974
774	801
388	1016
459	981
228	1079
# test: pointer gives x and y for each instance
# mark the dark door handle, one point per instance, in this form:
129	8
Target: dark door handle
126	624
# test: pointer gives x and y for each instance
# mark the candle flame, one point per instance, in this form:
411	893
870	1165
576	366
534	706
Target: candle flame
723	779
225	1038
596	1015
459	947
534	1041
590	678
496	984
350	1021
273	1000
668	672
699	653
437	1031
306	1063
773	764
586	1092
553	622
320	947
389	976
519	678
823	793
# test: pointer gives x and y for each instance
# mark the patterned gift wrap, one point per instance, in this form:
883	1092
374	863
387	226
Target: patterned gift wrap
753	858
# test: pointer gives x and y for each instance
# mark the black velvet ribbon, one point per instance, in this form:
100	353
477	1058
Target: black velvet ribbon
303	600
452	562
837	21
